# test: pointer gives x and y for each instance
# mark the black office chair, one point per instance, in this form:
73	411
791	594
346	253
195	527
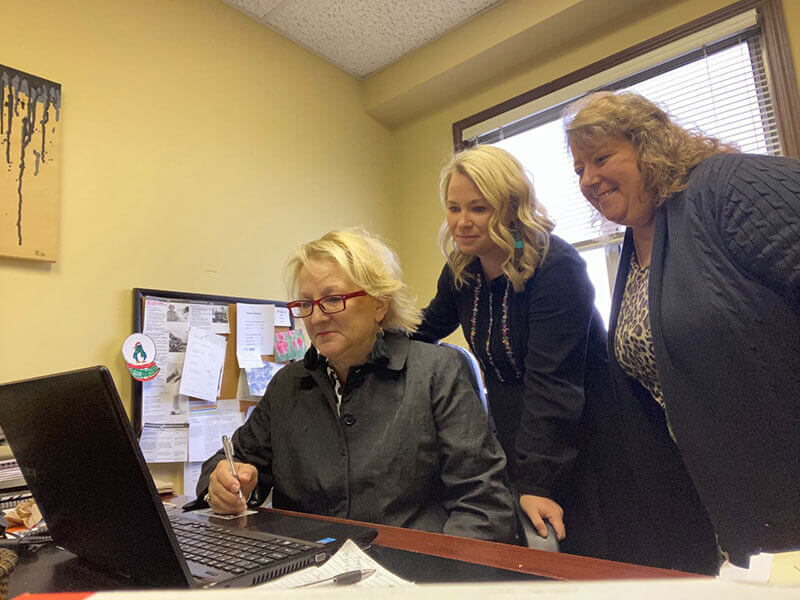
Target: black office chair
475	368
550	543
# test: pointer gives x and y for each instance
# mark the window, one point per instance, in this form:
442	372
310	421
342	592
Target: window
714	79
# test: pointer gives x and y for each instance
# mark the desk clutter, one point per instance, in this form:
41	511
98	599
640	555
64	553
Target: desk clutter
348	559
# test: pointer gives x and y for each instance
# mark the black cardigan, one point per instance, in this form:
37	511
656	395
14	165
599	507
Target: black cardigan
538	406
724	295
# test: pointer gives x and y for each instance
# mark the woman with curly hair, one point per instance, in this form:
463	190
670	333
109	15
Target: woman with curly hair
526	307
704	337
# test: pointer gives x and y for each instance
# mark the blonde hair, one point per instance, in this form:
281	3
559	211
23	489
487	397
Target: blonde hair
370	264
503	183
665	151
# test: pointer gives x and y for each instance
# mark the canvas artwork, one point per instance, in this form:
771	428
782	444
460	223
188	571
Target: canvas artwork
30	153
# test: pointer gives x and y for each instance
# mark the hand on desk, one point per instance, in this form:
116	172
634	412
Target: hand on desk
223	489
539	509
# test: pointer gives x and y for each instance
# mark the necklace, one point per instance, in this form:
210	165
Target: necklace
504	331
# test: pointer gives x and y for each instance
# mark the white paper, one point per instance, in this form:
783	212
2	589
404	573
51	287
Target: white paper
177	312
282	317
161	401
191	474
249	357
155	326
206	428
165	442
155	316
202	367
200	316
347	558
255	327
219	318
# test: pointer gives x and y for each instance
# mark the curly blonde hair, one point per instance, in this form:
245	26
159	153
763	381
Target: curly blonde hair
370	264
504	184
665	151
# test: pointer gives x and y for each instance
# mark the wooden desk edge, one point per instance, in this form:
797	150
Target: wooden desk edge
553	565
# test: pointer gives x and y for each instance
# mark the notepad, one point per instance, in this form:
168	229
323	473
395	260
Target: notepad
348	558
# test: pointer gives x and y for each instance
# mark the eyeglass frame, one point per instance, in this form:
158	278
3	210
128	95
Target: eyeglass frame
318	302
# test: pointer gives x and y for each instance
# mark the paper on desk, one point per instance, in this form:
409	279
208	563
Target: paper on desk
207	427
202	367
348	558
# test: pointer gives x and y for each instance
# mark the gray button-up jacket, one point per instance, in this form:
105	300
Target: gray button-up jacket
412	446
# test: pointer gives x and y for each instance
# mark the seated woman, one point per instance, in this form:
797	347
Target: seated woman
370	425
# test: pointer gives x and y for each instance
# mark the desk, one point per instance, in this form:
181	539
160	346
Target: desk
404	551
549	565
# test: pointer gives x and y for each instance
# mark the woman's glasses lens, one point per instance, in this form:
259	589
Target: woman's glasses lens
332	304
303	308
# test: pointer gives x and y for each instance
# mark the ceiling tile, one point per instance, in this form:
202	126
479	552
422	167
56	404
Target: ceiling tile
363	36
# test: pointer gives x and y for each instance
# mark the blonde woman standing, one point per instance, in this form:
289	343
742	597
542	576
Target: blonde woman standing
525	305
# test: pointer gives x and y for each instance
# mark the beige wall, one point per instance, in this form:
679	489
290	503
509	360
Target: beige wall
198	148
423	144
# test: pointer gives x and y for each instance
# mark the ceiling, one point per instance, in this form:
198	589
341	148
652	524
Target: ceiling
362	36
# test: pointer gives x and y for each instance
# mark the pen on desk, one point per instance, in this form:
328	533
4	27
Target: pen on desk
342	578
227	447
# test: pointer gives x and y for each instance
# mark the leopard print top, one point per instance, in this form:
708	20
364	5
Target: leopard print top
633	342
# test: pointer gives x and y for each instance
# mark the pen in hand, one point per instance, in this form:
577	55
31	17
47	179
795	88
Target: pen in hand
227	447
342	578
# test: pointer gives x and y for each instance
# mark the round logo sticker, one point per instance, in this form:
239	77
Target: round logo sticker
139	352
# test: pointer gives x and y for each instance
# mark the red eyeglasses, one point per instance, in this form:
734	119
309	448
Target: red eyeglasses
329	304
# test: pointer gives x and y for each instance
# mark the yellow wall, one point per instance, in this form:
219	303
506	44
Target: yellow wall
199	147
423	144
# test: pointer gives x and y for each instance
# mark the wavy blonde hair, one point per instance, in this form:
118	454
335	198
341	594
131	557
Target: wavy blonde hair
506	187
665	151
370	264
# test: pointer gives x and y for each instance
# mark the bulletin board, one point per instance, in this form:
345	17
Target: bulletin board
230	374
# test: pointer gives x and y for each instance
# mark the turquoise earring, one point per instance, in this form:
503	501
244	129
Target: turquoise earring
517	241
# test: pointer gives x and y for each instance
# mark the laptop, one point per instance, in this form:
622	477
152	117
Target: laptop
80	458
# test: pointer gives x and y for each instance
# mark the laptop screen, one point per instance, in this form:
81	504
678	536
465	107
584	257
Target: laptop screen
77	452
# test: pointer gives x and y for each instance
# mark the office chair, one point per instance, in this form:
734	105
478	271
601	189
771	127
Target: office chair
475	368
550	543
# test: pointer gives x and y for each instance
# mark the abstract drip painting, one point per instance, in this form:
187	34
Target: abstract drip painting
30	154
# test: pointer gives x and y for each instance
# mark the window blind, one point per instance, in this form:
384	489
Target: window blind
719	88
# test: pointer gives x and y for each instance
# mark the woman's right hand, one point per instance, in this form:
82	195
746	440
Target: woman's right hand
223	488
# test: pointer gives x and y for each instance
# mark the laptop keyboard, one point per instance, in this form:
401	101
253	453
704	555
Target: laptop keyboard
224	549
